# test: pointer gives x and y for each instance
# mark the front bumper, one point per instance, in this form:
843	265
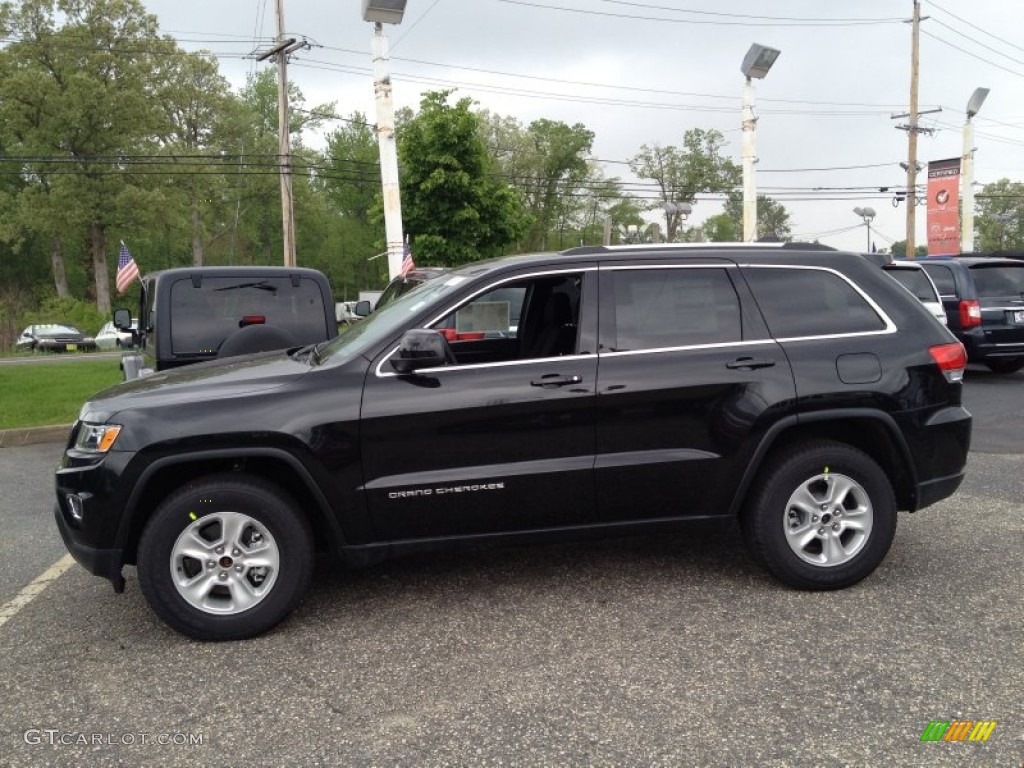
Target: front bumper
99	562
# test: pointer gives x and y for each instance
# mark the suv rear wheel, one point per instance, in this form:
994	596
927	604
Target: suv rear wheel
225	558
1005	364
822	515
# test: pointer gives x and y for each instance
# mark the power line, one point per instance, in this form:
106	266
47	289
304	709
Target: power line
972	55
975	26
669	20
739	15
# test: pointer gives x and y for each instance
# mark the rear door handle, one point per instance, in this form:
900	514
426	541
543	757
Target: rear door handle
750	363
556	380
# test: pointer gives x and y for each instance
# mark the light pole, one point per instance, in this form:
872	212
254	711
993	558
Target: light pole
382	12
867	214
967	173
756	63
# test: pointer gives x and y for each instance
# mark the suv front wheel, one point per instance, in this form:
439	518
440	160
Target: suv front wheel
822	515
225	558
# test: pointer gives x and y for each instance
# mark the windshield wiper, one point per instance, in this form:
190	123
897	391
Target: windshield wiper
311	350
263	285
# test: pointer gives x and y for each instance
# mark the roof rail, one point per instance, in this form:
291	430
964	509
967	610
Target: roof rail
584	250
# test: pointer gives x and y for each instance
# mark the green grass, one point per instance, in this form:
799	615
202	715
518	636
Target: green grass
36	395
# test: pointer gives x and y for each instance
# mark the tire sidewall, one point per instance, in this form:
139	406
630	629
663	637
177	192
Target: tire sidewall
258	500
789	475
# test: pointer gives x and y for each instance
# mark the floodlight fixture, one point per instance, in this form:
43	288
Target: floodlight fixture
383	11
758	61
977	99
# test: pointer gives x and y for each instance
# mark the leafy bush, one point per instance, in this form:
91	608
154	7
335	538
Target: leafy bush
81	314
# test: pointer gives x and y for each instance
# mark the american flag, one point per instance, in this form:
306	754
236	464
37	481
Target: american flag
407	263
127	269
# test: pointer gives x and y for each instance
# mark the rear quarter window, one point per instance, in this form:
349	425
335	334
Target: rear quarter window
915	281
943	278
810	302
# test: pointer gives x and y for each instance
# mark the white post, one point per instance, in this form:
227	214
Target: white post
749	158
967	185
388	151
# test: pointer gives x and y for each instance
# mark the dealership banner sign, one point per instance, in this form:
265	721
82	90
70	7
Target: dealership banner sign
944	207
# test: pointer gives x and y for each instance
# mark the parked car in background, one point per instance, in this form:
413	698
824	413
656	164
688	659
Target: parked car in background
984	302
111	337
54	337
913	277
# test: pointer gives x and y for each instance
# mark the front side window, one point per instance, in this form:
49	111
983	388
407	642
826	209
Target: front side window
666	308
797	303
531	318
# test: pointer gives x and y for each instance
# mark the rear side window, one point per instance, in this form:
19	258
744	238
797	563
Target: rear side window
203	317
810	302
665	308
915	281
942	276
998	280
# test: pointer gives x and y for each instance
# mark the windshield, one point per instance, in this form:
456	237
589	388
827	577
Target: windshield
386	321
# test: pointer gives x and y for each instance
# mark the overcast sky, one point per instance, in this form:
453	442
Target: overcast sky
645	71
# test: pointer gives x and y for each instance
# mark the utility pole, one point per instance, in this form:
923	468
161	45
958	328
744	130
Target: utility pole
388	151
284	47
912	129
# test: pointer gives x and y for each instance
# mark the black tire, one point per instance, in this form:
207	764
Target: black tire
770	522
283	532
1005	364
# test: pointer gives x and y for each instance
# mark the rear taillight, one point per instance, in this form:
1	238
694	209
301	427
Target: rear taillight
970	314
951	359
252	320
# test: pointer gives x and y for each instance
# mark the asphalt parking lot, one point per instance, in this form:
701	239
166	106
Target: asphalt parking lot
646	651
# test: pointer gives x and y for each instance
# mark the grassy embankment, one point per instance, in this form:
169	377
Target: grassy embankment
36	395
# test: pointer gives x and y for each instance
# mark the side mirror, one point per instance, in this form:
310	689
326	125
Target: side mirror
362	308
419	349
123	319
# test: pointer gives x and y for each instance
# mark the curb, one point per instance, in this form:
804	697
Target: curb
10	438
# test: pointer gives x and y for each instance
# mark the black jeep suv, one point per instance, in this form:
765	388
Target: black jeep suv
798	390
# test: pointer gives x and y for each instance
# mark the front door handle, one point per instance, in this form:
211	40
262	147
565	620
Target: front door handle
555	380
750	363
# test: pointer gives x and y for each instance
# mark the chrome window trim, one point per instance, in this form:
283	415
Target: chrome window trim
890	326
688	348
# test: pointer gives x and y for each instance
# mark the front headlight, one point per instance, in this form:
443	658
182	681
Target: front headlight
97	438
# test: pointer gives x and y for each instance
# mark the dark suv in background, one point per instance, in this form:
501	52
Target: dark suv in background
194	314
597	391
984	302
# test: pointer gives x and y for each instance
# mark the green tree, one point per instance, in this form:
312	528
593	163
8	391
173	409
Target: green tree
680	175
899	250
453	206
1000	220
547	163
772	220
80	94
